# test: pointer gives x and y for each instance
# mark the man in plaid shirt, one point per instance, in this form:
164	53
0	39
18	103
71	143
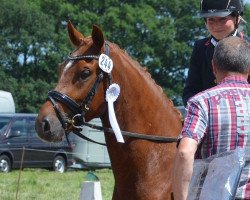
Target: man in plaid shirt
218	119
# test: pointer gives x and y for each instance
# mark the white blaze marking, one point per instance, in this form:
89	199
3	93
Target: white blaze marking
68	65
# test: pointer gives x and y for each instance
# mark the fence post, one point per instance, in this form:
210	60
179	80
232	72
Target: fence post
91	190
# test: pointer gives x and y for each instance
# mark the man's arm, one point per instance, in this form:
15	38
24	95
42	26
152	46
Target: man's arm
183	168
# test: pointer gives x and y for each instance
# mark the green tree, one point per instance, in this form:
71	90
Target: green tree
26	40
33	38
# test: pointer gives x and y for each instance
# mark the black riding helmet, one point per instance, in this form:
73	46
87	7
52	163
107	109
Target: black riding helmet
221	8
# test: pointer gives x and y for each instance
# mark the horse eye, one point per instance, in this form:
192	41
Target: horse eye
85	74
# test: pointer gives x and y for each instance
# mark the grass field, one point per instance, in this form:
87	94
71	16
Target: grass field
39	184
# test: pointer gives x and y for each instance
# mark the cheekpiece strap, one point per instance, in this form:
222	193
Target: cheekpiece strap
106	48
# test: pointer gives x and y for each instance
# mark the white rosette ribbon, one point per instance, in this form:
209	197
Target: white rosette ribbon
112	94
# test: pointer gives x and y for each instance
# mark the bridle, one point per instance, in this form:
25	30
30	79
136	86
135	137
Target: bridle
79	110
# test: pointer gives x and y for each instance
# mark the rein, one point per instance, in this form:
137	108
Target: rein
79	111
159	139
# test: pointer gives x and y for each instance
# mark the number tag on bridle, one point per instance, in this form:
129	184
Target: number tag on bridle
105	63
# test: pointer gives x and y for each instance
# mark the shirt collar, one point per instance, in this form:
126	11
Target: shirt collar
215	41
234	79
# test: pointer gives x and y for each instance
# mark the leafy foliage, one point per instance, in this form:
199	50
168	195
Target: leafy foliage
159	34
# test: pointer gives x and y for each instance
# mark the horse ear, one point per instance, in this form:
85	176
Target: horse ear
76	37
97	36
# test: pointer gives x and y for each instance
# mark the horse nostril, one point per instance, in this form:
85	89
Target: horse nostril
46	125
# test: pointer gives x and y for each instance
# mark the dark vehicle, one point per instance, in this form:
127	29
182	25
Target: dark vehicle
18	138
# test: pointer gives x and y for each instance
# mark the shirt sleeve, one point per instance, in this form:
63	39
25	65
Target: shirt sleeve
195	125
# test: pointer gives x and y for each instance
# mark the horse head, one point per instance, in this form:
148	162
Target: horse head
80	91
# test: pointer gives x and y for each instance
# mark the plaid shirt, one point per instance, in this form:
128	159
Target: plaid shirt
219	120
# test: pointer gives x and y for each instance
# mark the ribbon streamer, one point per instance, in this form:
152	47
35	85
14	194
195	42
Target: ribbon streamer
112	94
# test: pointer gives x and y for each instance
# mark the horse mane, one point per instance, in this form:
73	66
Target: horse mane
144	71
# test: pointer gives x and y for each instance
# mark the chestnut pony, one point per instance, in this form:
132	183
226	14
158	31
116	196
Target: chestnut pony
142	169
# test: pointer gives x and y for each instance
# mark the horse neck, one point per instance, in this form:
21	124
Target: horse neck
142	106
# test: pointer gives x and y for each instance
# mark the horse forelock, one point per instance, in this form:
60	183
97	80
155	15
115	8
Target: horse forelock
80	50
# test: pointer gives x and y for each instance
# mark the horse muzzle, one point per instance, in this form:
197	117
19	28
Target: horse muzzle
49	128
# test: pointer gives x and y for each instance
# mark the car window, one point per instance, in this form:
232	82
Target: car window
18	128
4	121
31	126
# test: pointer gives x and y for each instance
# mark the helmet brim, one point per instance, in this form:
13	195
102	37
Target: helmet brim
215	14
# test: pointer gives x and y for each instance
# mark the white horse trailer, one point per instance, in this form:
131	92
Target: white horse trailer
88	154
7	104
